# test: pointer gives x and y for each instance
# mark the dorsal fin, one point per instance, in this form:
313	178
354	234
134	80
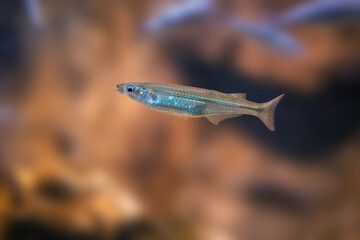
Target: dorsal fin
239	95
215	119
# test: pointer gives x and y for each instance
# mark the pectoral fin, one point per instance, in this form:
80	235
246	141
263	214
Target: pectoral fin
215	119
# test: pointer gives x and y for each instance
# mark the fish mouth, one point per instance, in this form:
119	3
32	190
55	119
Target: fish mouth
120	88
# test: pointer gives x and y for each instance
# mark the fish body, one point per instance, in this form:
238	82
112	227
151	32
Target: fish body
197	102
176	14
320	11
267	34
186	11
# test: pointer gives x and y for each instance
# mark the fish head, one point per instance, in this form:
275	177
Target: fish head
135	91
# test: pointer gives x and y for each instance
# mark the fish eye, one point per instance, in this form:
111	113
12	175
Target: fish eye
130	88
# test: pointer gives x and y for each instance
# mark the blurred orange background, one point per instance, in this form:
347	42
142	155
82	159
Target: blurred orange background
81	161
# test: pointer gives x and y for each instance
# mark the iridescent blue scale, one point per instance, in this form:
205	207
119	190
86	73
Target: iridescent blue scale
179	105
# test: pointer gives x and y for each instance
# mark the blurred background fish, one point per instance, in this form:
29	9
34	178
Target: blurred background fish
192	10
268	35
321	11
34	13
177	14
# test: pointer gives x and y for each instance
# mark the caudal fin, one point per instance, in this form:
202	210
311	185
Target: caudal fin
267	116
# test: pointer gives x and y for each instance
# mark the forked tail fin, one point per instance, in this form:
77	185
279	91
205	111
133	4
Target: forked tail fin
267	116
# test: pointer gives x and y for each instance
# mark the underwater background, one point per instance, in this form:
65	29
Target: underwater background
80	161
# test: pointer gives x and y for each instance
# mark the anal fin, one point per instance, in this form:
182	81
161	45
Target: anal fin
215	119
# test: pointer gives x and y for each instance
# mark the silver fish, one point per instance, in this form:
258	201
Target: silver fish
320	11
197	102
266	34
177	14
188	10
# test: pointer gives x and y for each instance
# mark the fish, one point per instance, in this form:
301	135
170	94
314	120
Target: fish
34	12
319	11
189	101
267	34
175	15
184	12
